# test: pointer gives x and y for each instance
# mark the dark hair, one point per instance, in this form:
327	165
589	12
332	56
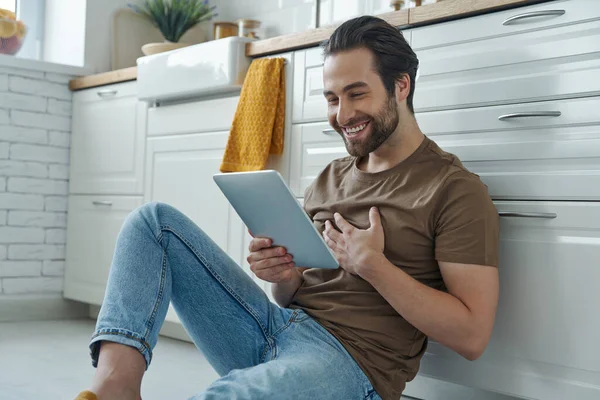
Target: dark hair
393	55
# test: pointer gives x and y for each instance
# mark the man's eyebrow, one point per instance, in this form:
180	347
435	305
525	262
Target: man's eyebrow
351	86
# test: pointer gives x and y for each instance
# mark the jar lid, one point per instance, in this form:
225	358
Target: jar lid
248	23
225	24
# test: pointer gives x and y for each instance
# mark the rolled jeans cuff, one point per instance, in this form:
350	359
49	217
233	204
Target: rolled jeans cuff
121	336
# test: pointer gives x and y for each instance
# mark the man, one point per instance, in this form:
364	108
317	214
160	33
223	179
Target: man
415	233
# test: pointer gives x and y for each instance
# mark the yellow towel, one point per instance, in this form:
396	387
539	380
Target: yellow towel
86	395
257	128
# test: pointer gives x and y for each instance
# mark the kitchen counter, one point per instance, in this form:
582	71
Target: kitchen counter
424	15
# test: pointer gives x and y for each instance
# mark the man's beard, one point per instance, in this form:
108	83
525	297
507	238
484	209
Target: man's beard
382	125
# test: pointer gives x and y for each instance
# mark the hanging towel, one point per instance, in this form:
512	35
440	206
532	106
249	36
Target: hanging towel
257	128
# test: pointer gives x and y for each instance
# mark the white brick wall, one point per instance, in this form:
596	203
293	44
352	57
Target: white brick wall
35	126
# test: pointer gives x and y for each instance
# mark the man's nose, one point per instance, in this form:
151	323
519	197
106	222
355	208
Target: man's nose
345	113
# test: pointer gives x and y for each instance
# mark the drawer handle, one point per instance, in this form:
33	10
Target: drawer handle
329	131
107	93
533	14
527	214
102	203
530	114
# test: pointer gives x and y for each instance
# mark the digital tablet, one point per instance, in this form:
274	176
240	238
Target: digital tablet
269	209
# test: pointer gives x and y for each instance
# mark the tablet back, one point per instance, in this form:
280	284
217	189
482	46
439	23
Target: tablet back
269	209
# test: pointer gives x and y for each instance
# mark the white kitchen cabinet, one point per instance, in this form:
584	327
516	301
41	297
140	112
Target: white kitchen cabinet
209	115
545	341
107	141
308	101
314	146
515	67
537	17
93	226
179	172
545	150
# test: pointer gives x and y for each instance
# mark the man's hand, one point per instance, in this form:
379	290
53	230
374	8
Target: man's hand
271	264
353	246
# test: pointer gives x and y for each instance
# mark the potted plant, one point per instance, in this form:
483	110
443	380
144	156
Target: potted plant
173	18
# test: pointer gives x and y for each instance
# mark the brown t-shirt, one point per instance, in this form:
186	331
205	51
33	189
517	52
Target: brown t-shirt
432	209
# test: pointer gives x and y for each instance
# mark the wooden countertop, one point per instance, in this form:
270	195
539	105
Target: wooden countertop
432	13
105	78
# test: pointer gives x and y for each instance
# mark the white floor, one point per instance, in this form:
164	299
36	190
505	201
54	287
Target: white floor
49	360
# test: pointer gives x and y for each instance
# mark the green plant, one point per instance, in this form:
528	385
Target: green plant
174	17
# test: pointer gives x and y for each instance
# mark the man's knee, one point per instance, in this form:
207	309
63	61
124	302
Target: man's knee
156	211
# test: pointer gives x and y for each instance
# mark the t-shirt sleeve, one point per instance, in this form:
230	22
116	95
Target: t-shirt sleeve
467	223
306	199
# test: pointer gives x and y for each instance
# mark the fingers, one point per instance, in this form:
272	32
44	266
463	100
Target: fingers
257	244
271	273
271	262
344	225
332	244
332	232
374	218
266	253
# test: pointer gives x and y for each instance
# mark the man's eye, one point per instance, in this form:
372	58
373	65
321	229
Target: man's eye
332	101
355	95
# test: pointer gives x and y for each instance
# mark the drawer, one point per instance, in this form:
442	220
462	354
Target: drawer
506	23
313	147
308	101
551	157
528	66
545	340
193	117
107	92
94	224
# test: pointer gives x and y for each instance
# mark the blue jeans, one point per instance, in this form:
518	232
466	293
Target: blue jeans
260	350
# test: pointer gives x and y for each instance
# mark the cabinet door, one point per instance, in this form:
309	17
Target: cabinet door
93	226
179	172
545	341
314	146
308	102
108	139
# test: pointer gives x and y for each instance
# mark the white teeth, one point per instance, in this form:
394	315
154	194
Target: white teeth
356	129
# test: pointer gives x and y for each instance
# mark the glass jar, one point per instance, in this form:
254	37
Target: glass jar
248	28
224	29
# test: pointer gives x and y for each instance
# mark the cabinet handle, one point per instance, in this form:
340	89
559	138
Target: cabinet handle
527	214
106	93
102	203
530	114
533	14
329	131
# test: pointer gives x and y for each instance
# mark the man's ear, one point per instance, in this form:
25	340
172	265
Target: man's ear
402	88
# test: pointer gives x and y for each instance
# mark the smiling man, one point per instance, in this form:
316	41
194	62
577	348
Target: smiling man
415	233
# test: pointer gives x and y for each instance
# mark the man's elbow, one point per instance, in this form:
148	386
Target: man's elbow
474	348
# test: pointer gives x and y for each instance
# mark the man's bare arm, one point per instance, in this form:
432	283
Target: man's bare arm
283	292
461	319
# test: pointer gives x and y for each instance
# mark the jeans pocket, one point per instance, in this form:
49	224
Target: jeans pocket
299	316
